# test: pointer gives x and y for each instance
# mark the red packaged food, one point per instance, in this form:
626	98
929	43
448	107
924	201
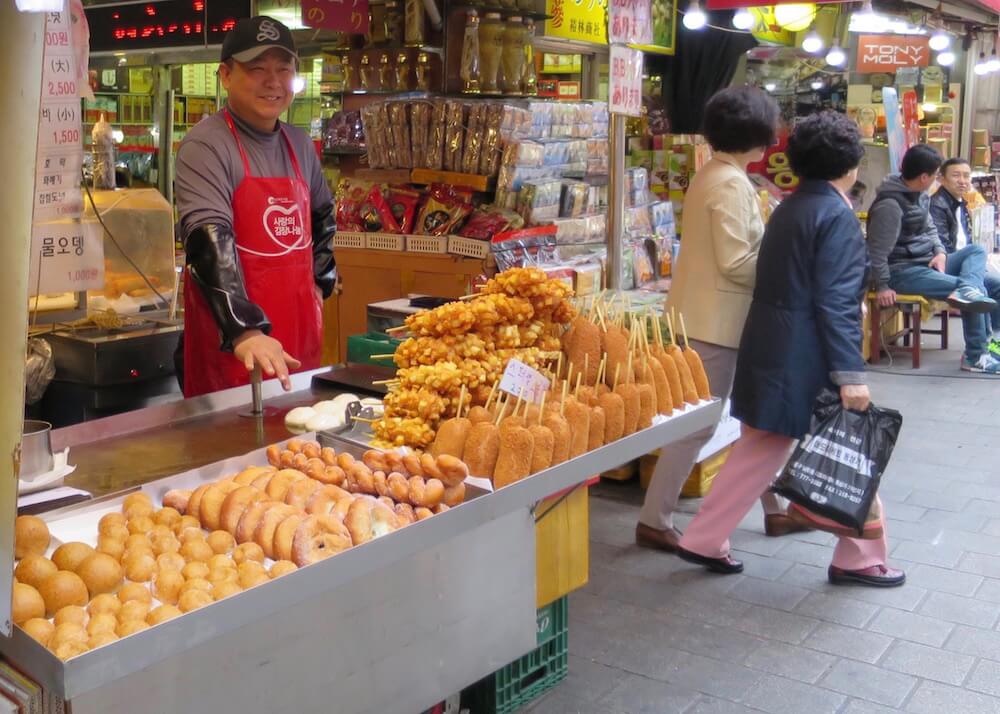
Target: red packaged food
376	216
443	211
403	204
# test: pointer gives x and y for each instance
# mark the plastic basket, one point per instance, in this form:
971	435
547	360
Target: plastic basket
348	239
385	241
469	247
427	244
360	348
512	687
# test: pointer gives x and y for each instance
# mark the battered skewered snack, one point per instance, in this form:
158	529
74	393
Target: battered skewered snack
630	396
645	376
673	376
614	341
614	416
647	406
479	415
597	428
481	449
578	417
514	458
544	442
582	346
559	427
664	399
423	403
396	431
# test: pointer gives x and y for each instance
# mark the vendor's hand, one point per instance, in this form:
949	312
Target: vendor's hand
855	397
938	262
887	297
254	348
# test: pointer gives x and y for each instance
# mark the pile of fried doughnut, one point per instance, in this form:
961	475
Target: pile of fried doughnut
463	347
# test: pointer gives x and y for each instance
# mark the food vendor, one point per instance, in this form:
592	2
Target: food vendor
256	217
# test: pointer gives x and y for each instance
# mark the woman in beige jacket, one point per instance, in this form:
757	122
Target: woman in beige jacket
713	286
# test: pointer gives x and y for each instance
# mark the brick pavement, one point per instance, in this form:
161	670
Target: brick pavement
651	634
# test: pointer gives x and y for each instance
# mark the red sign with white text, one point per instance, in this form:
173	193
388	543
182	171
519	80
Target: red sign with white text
887	53
349	16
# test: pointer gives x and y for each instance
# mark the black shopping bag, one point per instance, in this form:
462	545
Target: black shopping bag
836	468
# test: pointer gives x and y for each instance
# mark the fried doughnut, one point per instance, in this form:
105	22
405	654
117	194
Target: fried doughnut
614	416
362	477
248	475
341	507
279	484
427	493
221	542
237	501
664	399
320	537
286	459
673	377
194	503
386	501
251	517
177	498
274	455
375	460
698	374
264	535
284	534
647	406
561	437
248	551
481	449
405	514
299	461
300	492
332	475
192	600
450	438
411	462
541	454
454	495
282	567
514	461
260	483
399	487
688	389
329	455
451	470
226	588
210	511
479	415
315	469
345	460
368	519
441	508
324	499
312	449
381	485
597	428
423	514
295	445
578	418
630	396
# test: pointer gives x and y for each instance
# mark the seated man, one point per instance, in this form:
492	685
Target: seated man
908	257
950	213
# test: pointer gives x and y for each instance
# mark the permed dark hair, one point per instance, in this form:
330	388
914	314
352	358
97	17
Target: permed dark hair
825	146
920	159
954	161
739	119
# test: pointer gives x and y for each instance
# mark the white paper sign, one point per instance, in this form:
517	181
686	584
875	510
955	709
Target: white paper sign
630	22
520	380
70	254
625	91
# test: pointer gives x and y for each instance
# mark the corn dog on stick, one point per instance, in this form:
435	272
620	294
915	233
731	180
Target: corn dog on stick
694	362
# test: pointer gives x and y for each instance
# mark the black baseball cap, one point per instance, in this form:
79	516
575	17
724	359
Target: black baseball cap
253	36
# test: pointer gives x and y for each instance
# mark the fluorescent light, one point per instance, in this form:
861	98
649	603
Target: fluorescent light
816	84
940	40
946	59
695	18
812	43
981	67
298	84
743	19
770	86
836	57
118	135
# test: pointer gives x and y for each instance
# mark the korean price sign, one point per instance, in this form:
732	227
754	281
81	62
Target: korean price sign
630	22
520	380
625	90
70	254
585	20
349	16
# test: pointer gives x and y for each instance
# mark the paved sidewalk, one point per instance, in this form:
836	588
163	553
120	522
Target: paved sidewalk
651	634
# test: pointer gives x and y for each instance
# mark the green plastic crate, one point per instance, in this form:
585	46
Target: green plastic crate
360	348
512	687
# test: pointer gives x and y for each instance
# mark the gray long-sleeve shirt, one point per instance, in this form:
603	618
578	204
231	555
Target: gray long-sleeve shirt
209	168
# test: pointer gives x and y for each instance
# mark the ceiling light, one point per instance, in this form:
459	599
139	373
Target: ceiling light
770	86
836	57
994	63
946	59
981	67
794	17
816	84
298	84
743	19
929	107
867	20
812	43
694	17
940	40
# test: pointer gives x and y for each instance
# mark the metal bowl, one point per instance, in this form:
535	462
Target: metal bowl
36	449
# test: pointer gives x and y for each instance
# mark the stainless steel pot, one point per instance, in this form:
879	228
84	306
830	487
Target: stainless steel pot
36	449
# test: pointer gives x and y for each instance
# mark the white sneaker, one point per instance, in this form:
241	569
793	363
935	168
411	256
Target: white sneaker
986	364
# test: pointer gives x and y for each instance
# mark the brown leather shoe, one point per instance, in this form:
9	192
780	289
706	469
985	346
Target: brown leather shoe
781	524
649	537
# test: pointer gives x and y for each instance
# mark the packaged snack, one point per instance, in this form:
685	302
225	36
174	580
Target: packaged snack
472	150
350	195
642	266
538	200
403	204
376	216
486	222
436	135
662	219
442	212
574	199
637	222
489	162
636	179
400	122
525	247
454	132
420	121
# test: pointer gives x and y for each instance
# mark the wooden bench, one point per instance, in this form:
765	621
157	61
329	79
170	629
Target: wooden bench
910	307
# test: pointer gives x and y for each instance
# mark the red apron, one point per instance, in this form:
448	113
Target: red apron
273	226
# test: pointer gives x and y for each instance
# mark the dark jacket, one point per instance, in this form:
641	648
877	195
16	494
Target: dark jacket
900	229
803	332
944	210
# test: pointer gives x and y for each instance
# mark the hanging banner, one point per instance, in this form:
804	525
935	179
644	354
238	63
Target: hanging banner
341	15
911	118
583	20
625	90
887	53
630	22
664	15
776	167
895	132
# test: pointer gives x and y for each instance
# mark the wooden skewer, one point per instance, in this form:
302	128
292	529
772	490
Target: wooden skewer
601	369
386	381
520	398
461	401
489	399
586	365
541	409
503	410
673	321
670	327
364	420
394	330
684	331
579	376
383	356
562	406
618	370
559	364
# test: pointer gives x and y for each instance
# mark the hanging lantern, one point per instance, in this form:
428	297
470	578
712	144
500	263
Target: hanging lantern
795	17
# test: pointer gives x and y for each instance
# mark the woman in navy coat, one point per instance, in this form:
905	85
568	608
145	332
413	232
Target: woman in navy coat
803	334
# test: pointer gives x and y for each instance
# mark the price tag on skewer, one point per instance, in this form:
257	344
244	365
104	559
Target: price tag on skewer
521	380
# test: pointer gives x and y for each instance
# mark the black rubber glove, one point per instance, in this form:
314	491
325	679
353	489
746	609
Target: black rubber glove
215	267
324	264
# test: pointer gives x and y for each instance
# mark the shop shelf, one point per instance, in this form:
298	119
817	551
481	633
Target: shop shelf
473	181
504	11
512	687
387	48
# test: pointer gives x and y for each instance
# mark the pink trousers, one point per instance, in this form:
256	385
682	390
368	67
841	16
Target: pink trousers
755	461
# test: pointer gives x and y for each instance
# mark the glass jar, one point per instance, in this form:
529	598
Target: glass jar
469	69
402	72
350	75
369	73
424	71
414	34
490	49
393	23
513	55
529	80
386	78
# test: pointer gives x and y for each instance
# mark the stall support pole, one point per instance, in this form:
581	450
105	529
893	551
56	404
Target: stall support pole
616	201
21	42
